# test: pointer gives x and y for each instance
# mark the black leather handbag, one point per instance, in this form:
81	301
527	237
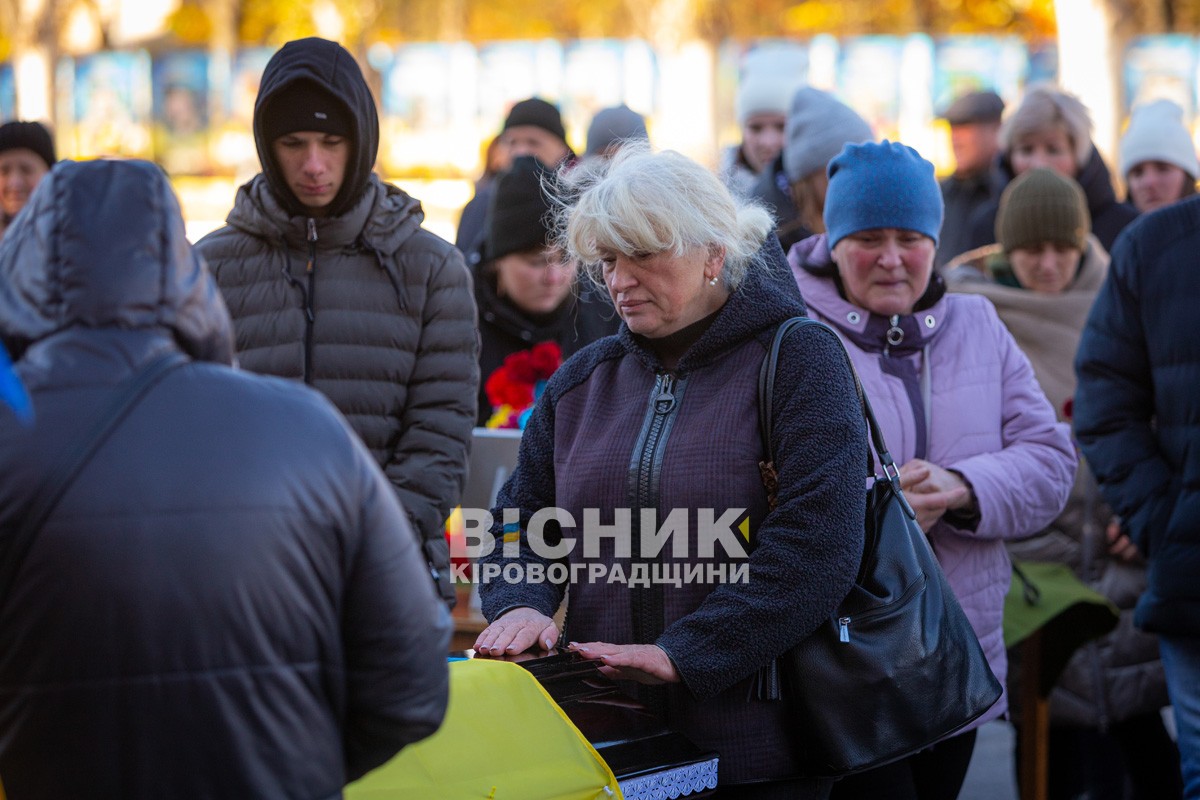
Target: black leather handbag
897	667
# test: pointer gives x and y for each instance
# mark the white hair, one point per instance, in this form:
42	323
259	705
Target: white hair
1045	106
646	202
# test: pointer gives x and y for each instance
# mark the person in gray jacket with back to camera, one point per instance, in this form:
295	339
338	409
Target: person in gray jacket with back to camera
330	279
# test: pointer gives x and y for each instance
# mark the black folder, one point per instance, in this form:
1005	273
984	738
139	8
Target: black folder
649	759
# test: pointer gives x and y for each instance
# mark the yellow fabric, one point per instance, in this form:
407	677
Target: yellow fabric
503	739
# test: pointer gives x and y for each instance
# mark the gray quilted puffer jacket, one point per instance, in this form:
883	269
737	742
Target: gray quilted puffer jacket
366	306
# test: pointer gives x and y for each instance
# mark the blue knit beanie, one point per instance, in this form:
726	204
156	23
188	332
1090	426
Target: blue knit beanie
881	185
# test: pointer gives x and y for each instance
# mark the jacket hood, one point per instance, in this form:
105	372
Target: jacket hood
101	244
331	67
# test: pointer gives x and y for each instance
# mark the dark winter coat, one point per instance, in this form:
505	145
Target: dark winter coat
504	329
227	602
1109	215
473	221
773	190
964	197
615	430
1137	407
366	306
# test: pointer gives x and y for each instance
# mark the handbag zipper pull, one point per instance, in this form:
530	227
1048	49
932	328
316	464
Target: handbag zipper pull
843	629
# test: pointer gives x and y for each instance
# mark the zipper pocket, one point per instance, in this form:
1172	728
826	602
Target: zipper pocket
845	622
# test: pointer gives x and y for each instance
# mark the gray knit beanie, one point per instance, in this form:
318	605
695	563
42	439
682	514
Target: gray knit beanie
1042	206
818	126
611	125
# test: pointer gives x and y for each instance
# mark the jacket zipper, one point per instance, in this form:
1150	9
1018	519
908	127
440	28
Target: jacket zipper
309	313
646	602
661	407
647	463
644	467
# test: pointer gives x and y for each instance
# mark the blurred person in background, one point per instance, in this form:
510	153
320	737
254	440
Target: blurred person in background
1157	157
495	160
1106	725
1052	128
982	457
226	599
533	127
26	154
818	125
527	292
761	109
331	280
974	120
613	127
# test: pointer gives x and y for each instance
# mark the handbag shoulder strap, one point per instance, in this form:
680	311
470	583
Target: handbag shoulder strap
766	396
72	459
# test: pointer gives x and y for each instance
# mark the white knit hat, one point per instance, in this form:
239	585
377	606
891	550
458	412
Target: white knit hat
764	92
1156	133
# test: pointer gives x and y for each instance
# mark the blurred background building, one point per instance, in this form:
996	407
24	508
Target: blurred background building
175	80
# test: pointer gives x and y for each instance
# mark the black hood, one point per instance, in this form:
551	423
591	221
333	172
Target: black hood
101	244
330	66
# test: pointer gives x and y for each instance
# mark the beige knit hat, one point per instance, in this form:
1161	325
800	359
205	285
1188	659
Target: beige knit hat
1042	206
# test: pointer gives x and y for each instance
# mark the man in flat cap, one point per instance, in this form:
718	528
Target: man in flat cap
974	135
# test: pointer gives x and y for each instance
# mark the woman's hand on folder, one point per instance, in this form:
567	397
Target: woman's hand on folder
515	632
644	663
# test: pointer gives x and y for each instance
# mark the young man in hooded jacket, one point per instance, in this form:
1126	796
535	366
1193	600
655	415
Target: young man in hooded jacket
330	279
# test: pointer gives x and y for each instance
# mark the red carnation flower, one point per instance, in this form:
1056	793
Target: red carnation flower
546	357
503	390
520	367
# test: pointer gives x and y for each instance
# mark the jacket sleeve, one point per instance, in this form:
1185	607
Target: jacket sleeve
1114	406
808	549
1025	485
396	632
530	487
429	461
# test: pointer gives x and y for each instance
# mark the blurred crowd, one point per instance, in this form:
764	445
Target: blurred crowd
260	559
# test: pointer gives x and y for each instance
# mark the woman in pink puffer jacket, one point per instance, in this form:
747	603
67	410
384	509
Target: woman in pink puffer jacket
982	456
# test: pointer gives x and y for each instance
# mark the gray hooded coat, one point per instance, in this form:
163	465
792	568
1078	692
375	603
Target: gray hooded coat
219	606
364	305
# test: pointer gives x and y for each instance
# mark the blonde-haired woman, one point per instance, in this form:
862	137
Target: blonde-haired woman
662	418
1053	128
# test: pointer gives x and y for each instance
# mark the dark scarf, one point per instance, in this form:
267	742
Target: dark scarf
670	348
